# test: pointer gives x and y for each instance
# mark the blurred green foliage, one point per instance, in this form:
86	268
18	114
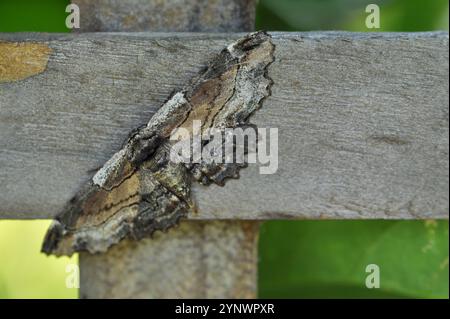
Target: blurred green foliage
298	259
24	271
350	15
32	15
328	259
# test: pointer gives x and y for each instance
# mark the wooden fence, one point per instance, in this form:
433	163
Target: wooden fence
362	124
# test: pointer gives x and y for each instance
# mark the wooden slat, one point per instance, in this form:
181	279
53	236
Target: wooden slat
362	120
210	259
167	15
213	259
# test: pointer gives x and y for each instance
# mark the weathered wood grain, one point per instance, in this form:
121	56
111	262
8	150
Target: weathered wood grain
199	259
362	119
167	15
213	259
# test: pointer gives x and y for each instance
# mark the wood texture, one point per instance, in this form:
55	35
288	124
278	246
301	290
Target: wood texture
200	259
167	15
19	61
362	120
196	260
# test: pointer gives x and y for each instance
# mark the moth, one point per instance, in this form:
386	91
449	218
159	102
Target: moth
139	190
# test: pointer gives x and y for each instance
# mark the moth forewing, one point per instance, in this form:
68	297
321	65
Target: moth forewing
140	190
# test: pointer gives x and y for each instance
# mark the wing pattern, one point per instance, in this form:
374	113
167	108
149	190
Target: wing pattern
140	190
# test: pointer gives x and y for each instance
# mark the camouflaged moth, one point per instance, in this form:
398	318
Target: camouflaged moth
140	190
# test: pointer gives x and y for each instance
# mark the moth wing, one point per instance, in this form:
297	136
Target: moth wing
138	190
243	85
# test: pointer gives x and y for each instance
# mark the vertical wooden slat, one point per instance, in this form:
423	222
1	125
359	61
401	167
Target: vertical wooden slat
198	259
167	15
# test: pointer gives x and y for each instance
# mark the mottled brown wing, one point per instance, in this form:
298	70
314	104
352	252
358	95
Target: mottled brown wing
140	190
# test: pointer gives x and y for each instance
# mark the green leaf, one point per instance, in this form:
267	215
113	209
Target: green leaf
328	259
310	15
405	16
31	15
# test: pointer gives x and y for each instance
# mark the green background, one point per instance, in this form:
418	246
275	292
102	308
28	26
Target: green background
297	258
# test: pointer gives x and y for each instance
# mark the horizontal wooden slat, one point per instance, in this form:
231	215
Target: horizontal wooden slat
362	119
